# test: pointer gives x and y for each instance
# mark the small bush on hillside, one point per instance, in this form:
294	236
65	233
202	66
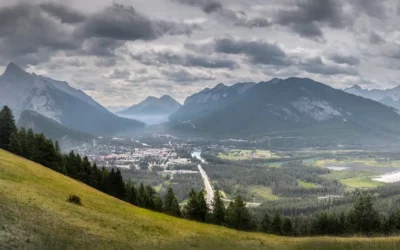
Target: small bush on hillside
75	199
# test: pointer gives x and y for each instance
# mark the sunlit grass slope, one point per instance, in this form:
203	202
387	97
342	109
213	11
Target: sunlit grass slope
34	214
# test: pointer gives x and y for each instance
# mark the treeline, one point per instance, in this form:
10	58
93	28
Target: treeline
361	219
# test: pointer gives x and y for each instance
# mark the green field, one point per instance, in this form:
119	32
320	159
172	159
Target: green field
241	155
367	161
262	193
356	179
360	182
308	184
34	214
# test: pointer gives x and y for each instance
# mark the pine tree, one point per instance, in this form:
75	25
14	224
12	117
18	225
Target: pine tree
287	227
132	194
171	205
23	137
196	208
266	223
102	177
142	196
364	218
218	209
30	144
342	223
15	144
150	197
276	224
202	206
157	203
7	127
84	172
238	216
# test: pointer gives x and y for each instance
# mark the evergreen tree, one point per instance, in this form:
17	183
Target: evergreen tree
266	223
196	208
84	170
150	197
142	196
202	206
238	216
157	203
276	224
7	127
171	205
15	144
363	217
342	223
287	227
30	144
22	134
70	163
218	209
132	194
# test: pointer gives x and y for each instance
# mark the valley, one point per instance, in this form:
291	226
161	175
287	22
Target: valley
199	124
260	175
35	196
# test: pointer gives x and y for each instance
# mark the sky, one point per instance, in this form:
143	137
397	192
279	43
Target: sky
119	52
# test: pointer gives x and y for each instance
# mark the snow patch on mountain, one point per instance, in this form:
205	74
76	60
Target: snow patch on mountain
319	110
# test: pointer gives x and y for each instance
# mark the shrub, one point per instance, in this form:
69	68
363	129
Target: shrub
74	199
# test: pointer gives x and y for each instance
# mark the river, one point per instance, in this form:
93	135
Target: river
389	177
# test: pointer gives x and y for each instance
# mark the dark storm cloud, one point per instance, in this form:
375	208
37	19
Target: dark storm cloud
184	77
314	13
28	36
62	12
208	6
183	59
317	66
125	23
101	47
259	52
344	59
375	38
106	62
235	18
119	74
372	8
212	7
32	33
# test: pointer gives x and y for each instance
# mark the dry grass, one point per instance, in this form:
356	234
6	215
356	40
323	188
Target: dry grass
35	215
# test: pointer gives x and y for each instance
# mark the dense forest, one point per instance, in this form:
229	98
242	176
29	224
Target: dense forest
363	218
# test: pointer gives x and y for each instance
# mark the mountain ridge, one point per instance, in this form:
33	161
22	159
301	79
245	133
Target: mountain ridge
51	128
293	105
389	97
56	100
165	105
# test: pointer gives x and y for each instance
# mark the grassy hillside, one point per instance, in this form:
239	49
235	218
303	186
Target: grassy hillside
34	214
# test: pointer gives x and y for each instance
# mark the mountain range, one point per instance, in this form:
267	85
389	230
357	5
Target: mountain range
286	107
52	129
389	97
164	105
60	102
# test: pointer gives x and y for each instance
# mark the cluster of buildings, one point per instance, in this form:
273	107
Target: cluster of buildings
130	157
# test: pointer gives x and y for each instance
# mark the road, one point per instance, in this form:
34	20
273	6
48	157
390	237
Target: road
207	185
166	158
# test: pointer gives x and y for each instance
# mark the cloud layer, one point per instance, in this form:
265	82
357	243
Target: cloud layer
121	53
